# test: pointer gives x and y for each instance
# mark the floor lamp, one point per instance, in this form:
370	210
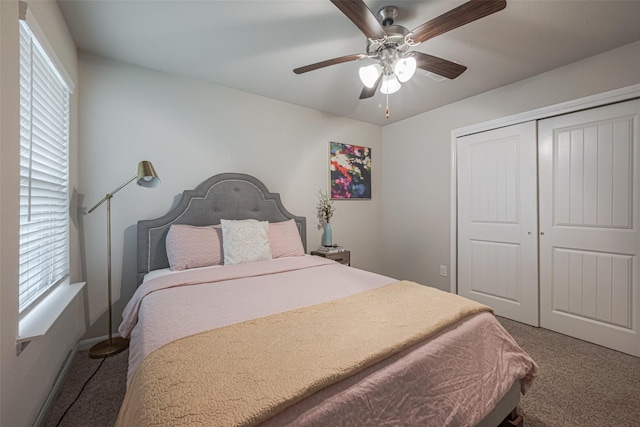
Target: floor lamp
146	177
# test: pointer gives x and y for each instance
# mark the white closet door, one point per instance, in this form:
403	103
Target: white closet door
589	225
497	221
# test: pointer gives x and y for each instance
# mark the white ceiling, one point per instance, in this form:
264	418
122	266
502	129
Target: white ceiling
253	46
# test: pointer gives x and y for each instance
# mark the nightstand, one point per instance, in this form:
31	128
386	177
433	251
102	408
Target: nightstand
343	257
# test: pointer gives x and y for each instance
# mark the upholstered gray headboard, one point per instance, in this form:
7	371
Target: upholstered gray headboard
223	196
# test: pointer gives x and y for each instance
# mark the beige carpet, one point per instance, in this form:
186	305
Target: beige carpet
580	385
99	403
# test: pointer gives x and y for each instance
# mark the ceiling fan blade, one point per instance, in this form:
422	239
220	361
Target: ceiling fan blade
439	66
461	15
369	92
328	62
362	17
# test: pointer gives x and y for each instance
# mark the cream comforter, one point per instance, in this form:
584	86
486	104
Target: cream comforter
245	373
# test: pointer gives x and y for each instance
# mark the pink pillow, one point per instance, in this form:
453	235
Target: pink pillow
189	246
284	239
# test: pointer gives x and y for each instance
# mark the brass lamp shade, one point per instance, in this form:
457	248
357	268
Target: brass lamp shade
147	175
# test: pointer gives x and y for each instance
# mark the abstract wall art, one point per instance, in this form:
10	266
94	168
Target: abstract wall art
350	171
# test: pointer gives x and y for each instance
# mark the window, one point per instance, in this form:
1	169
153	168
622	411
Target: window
44	172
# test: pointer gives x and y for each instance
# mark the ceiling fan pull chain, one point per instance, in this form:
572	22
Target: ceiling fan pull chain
387	109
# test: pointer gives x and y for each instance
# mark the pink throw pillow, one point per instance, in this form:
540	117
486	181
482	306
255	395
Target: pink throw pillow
284	239
189	246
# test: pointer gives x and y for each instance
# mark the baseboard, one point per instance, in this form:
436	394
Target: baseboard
87	344
62	374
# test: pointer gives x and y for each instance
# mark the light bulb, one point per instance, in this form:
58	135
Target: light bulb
405	68
390	84
369	74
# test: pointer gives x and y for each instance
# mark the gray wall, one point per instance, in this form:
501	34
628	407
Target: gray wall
191	130
417	157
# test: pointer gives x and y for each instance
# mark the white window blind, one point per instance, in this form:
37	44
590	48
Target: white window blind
44	172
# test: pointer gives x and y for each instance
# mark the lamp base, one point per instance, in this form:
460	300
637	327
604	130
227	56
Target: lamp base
108	348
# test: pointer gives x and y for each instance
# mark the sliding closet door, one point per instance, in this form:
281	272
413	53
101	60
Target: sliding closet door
590	225
497	220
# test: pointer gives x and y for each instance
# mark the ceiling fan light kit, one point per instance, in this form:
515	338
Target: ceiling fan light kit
369	74
395	70
390	84
405	68
389	44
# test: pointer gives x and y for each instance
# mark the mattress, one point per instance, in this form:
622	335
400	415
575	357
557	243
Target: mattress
455	377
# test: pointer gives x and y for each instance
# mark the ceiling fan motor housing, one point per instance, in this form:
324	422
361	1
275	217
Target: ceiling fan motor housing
395	40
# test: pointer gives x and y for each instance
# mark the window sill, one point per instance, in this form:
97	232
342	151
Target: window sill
40	319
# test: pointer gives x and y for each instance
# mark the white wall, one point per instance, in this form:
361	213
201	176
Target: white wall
192	130
417	157
25	380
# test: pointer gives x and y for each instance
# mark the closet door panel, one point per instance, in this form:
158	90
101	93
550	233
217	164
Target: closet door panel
497	222
589	225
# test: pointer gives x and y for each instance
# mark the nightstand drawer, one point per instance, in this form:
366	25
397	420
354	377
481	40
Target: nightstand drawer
343	257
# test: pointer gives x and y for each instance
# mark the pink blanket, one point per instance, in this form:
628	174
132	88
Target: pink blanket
455	378
211	275
166	308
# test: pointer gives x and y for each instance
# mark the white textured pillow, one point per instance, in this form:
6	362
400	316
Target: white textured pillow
284	239
245	241
189	246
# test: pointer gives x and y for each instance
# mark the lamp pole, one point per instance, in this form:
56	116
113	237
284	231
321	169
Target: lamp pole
110	346
147	177
109	267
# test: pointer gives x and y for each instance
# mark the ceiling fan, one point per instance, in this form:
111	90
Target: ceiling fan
390	44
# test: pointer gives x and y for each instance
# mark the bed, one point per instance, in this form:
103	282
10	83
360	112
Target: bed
263	334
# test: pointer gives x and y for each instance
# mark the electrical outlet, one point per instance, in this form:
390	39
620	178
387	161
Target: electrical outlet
443	270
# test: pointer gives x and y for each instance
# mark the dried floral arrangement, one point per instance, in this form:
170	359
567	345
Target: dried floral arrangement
325	207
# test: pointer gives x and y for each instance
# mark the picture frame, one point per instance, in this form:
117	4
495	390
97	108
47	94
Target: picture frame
349	171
